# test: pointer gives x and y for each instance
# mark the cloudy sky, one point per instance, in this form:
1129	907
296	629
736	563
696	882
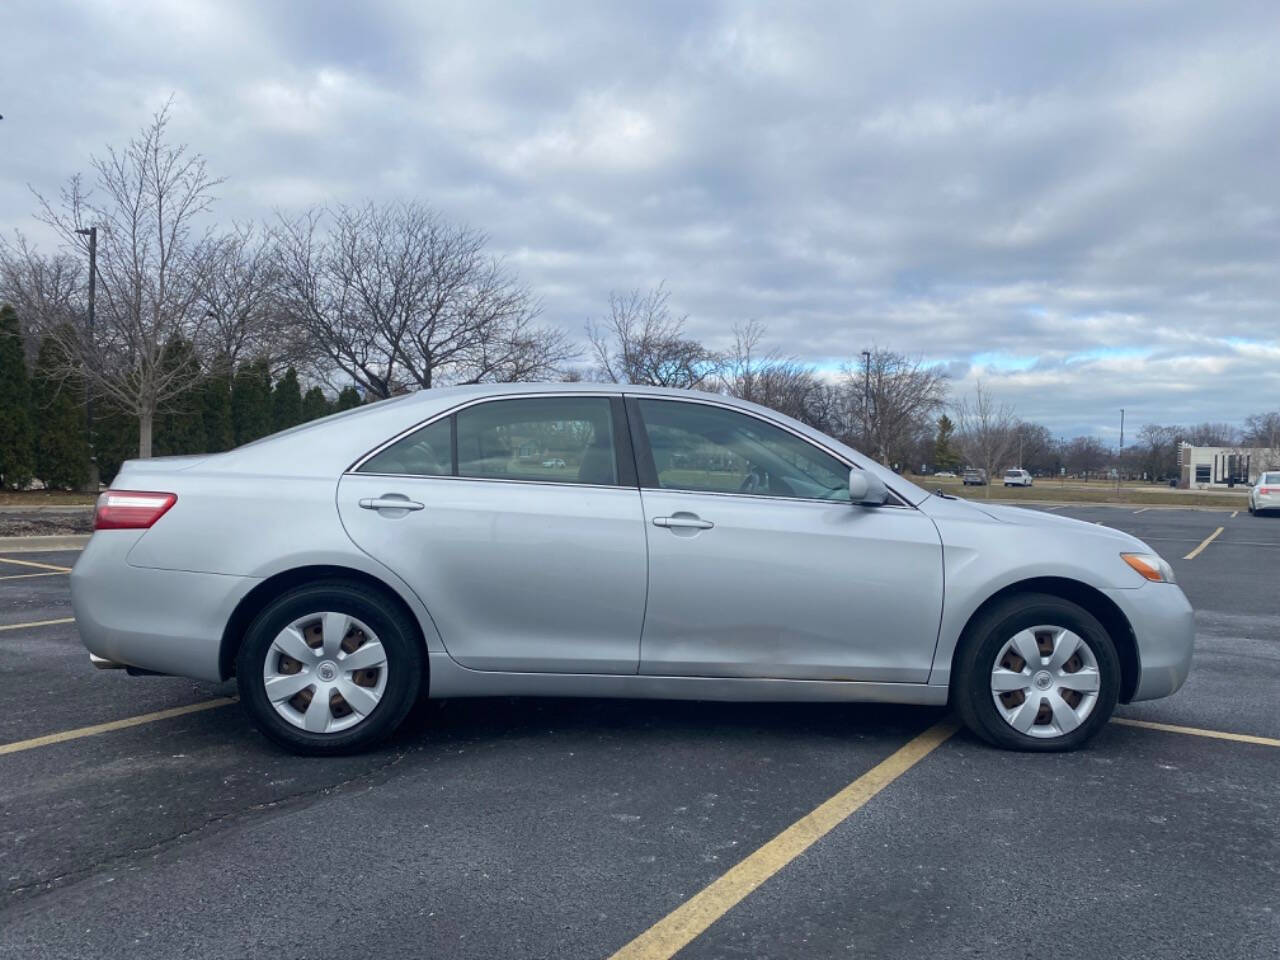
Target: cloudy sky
1077	202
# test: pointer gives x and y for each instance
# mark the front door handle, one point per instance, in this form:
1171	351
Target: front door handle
694	523
390	503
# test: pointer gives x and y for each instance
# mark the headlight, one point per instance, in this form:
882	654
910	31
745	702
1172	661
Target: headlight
1150	566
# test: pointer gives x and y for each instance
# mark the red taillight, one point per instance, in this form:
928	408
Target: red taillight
1267	491
131	509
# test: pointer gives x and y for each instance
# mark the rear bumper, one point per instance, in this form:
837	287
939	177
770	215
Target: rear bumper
1269	502
168	621
1165	629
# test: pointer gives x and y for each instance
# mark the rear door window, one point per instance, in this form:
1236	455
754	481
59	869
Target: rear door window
551	439
423	453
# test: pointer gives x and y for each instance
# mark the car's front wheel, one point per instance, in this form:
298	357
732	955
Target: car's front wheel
329	668
1036	672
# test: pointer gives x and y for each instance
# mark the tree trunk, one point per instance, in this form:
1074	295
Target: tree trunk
144	433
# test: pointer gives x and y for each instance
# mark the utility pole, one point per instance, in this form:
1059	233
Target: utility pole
92	234
1120	452
866	393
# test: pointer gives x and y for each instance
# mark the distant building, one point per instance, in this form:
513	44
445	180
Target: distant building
1205	467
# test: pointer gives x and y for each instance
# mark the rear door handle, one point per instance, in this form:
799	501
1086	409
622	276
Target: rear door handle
692	522
390	503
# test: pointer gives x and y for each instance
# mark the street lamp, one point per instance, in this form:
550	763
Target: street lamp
92	234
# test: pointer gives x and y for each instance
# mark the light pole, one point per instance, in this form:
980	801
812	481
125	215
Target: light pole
866	393
92	234
1120	452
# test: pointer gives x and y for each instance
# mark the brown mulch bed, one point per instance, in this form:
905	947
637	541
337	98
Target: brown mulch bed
45	524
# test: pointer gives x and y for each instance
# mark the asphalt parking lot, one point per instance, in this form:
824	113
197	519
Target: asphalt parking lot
569	828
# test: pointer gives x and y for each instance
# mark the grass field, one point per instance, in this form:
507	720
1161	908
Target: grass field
1095	491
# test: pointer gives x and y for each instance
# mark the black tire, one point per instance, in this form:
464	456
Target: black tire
404	664
983	641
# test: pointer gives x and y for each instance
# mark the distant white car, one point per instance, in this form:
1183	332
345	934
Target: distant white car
553	462
1265	494
945	474
1017	478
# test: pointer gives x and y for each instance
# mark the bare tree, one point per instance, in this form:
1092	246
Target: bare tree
1262	432
1157	449
146	200
895	400
1211	435
398	298
987	431
1085	455
47	290
642	342
237	291
768	378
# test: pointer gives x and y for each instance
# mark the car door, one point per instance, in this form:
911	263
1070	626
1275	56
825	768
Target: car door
518	523
759	566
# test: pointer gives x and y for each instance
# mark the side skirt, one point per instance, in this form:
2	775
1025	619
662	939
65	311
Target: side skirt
448	679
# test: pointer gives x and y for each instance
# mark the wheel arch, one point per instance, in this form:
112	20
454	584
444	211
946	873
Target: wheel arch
256	600
1091	599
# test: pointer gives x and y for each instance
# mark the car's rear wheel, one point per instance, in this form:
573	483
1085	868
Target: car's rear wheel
1036	672
328	668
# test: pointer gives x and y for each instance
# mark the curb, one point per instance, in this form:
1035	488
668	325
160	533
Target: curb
70	541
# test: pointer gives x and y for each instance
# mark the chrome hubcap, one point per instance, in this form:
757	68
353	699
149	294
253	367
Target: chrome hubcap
1045	681
325	672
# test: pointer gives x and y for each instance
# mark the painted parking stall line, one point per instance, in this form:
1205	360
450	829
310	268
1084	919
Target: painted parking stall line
38	623
1198	732
1204	543
56	568
63	736
686	922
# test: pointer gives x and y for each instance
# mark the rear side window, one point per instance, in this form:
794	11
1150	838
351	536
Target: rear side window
556	439
423	453
1270	478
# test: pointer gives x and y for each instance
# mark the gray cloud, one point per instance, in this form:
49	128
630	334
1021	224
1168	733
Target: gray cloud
1076	203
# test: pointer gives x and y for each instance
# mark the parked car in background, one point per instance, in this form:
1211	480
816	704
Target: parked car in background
1265	494
1017	478
945	475
702	548
974	477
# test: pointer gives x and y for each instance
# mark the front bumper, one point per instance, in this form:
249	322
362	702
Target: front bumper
1164	626
166	621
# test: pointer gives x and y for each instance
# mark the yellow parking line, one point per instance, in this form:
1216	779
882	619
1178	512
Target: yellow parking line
32	563
28	576
670	934
97	728
1198	732
1234	514
1143	510
1203	543
37	623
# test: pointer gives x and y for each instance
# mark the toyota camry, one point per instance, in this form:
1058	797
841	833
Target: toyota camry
610	541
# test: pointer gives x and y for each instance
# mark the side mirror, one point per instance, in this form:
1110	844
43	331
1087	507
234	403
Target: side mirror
866	488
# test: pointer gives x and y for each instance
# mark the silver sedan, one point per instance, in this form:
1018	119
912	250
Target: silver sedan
603	541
